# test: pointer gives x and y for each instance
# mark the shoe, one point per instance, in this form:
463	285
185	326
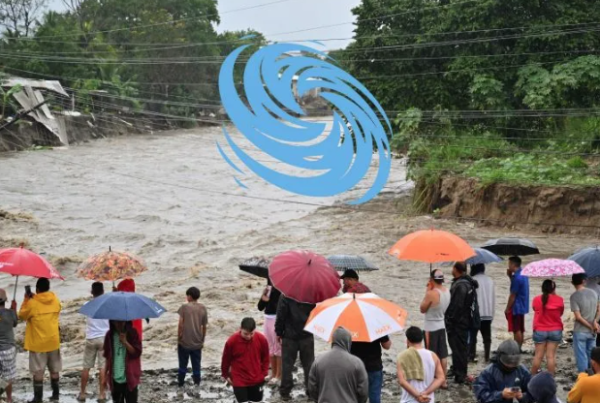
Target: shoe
274	382
81	398
196	391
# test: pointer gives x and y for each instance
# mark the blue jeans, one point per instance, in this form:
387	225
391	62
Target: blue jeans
583	344
375	384
185	356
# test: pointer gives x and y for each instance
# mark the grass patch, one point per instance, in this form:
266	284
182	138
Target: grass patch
534	170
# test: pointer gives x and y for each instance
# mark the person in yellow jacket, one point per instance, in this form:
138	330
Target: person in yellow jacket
42	337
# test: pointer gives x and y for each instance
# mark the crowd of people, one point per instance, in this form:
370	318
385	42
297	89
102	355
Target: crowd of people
351	371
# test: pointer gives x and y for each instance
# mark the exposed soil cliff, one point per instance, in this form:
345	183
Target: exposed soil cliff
546	209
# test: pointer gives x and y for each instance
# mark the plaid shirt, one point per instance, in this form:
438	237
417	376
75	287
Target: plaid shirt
358	288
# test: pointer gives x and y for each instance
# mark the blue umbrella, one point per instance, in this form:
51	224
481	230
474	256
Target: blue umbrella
482	256
123	306
589	259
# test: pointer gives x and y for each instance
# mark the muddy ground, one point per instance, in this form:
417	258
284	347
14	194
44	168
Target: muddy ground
173	201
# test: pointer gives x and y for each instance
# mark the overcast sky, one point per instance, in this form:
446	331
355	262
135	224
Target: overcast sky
289	15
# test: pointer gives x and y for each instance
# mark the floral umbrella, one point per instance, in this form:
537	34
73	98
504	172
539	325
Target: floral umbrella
552	268
111	266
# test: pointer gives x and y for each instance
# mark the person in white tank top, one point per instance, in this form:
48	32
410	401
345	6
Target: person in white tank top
419	390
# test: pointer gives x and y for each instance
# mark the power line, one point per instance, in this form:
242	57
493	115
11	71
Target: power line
179	45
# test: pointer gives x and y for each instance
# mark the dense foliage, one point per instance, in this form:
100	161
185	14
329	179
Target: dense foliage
496	81
162	55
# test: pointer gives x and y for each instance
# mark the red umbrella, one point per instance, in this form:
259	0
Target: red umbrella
304	276
23	262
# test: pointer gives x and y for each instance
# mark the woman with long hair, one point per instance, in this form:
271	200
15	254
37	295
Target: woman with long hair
122	352
547	326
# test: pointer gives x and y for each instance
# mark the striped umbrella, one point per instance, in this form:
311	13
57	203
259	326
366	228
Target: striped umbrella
367	317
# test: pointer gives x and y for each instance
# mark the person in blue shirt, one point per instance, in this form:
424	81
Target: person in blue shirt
518	302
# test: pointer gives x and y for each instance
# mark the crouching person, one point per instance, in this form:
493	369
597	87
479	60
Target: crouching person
505	379
122	352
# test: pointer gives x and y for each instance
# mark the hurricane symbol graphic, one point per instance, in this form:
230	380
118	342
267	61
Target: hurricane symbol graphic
331	164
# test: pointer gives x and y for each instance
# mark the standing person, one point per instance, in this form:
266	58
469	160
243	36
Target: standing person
42	338
585	306
547	326
8	350
505	379
459	320
95	333
123	368
191	333
245	362
338	376
351	283
128	285
370	355
434	306
268	303
289	327
486	298
587	387
594	284
420	371
518	302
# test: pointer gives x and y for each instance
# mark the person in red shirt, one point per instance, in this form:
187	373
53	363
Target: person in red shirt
245	362
351	283
547	326
128	285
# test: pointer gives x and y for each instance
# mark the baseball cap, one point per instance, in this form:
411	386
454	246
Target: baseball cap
350	274
437	275
2	295
509	353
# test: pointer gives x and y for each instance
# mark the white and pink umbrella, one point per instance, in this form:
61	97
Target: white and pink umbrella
552	268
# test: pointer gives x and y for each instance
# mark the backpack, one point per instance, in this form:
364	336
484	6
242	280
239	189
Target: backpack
475	322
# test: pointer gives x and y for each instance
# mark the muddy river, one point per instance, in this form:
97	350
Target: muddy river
171	199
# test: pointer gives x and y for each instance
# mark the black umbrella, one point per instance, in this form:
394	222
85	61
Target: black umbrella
511	247
256	266
345	262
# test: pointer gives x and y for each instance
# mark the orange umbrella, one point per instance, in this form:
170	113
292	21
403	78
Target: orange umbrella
432	246
366	316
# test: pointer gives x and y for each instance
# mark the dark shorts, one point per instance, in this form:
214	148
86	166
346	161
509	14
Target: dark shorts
436	342
518	324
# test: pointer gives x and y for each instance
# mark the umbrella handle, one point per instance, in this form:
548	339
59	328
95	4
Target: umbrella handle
15	291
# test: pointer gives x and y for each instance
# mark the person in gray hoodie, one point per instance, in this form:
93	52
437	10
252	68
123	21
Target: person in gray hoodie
486	298
338	376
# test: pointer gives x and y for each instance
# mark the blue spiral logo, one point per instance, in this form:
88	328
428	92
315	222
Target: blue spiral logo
336	162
